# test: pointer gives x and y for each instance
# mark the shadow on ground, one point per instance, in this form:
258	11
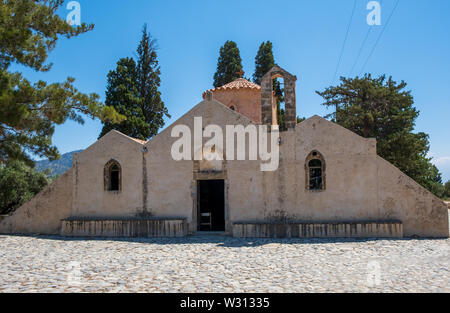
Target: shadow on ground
220	241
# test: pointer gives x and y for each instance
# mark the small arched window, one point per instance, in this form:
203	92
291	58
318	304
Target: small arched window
113	176
233	108
315	171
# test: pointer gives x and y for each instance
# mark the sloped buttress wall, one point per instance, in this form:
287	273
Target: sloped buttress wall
43	213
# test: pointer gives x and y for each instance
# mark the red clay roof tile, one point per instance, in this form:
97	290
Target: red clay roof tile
240	83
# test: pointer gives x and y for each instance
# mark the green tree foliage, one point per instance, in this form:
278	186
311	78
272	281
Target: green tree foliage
18	184
122	93
433	181
29	30
281	116
228	64
447	190
148	72
380	108
264	61
133	90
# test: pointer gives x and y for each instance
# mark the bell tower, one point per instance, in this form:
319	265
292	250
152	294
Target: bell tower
268	102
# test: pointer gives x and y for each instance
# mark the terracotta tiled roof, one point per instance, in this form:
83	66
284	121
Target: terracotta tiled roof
139	140
240	83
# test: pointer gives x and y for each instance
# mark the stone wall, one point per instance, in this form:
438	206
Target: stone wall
157	227
360	186
356	188
268	103
400	197
379	229
244	101
350	192
172	185
90	197
43	214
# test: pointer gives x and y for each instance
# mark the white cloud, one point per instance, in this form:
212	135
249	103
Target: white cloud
442	161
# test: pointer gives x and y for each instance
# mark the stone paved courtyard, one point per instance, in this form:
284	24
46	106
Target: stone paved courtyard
223	264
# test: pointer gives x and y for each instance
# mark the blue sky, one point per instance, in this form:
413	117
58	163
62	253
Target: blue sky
307	38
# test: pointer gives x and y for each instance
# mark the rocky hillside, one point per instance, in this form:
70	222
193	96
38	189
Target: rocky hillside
57	167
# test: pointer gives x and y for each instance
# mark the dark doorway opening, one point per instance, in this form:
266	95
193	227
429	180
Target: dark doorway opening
211	205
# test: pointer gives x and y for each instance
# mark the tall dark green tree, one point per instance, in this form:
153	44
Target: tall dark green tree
29	31
133	90
122	93
148	72
229	64
264	61
381	108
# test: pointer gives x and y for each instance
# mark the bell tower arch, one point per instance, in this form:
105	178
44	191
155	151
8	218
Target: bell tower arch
268	103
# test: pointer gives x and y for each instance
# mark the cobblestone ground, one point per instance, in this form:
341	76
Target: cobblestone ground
223	264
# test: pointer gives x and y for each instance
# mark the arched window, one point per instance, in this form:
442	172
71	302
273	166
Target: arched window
233	108
113	176
315	171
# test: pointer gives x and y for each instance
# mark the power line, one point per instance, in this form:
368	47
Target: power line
360	51
345	40
362	46
379	37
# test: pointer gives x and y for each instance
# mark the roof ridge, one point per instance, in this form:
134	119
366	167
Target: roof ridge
239	83
135	139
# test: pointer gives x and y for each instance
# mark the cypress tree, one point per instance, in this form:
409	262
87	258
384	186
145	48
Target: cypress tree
122	94
228	64
133	90
148	72
264	61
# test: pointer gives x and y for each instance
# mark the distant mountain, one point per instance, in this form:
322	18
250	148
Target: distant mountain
57	167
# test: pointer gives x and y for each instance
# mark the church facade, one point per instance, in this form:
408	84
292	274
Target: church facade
328	182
